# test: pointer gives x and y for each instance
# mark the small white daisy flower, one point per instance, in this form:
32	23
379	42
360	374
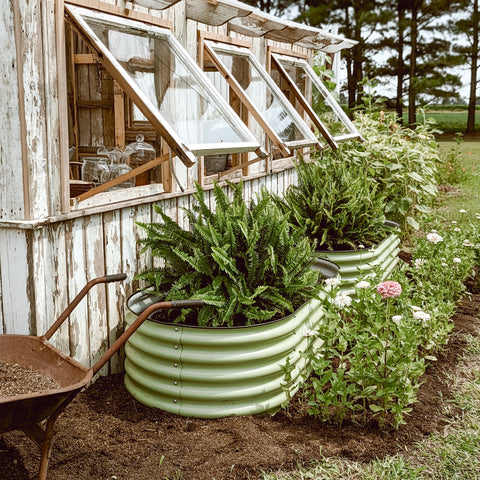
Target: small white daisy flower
397	319
434	237
309	333
467	243
332	282
342	300
462	210
420	315
457	260
419	262
362	284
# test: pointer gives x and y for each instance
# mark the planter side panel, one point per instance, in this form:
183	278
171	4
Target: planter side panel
211	373
358	263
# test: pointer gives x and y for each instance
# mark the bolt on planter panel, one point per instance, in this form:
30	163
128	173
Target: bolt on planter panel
218	372
356	263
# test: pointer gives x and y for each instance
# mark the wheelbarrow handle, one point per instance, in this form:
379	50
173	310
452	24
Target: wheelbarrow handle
138	321
66	313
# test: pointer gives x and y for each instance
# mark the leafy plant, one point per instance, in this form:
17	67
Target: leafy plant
245	261
336	204
403	162
377	346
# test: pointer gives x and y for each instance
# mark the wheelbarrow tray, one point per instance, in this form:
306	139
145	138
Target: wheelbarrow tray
35	353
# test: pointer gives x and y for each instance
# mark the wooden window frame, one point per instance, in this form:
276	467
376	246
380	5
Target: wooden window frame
333	140
284	147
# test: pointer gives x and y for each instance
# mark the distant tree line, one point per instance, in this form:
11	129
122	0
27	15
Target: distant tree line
420	41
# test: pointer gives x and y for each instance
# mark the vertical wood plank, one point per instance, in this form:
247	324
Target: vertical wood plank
57	278
78	324
96	300
11	176
17	308
116	298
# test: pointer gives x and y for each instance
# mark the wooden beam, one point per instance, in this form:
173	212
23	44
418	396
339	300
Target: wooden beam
123	178
119	112
122	12
21	109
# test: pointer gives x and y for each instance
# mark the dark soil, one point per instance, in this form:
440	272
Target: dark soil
105	434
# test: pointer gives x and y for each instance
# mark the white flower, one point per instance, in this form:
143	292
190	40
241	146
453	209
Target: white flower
342	300
434	237
414	308
333	282
456	230
397	319
419	262
361	246
462	211
420	315
423	137
457	260
309	333
444	264
454	222
467	243
363	284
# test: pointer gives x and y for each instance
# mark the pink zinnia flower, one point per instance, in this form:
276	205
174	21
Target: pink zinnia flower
389	289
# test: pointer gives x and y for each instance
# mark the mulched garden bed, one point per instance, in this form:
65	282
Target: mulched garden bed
105	434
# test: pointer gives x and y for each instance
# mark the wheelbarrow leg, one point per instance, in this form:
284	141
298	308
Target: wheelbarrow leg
43	437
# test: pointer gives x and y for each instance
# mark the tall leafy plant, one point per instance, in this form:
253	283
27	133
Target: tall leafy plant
337	205
245	260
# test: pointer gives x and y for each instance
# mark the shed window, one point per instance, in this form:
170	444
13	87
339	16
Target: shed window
165	85
325	112
263	98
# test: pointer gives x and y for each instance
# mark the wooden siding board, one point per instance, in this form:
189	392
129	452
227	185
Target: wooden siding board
14	273
96	300
52	109
57	278
11	176
75	246
35	107
116	298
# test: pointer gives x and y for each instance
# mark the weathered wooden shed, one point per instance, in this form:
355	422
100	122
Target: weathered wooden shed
217	89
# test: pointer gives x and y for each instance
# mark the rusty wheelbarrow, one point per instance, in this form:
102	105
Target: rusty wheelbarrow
36	413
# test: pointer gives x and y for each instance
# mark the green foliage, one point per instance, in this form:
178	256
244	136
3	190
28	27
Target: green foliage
336	204
403	162
376	349
245	261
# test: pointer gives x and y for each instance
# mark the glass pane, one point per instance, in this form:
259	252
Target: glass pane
261	95
168	81
324	105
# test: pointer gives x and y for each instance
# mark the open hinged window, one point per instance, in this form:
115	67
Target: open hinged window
326	114
168	90
264	100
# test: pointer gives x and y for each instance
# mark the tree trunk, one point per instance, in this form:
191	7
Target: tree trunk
412	94
400	65
474	72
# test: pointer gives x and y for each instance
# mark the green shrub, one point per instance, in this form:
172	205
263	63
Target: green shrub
336	204
403	162
245	261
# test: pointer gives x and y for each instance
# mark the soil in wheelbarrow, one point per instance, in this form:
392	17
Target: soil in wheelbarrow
18	380
105	434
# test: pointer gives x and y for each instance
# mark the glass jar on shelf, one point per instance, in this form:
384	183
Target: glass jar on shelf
92	169
142	153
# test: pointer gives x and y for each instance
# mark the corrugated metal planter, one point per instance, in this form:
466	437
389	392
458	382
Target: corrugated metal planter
217	372
356	263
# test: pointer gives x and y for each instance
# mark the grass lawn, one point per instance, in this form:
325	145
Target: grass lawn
449	122
453	454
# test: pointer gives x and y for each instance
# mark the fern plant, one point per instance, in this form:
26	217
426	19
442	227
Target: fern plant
245	261
336	204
